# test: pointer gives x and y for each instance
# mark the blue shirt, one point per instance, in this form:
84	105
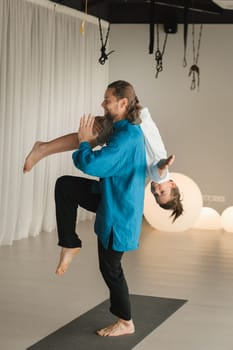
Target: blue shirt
121	167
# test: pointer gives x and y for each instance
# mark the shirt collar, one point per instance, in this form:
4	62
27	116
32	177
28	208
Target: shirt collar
118	124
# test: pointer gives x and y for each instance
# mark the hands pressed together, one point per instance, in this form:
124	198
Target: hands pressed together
89	128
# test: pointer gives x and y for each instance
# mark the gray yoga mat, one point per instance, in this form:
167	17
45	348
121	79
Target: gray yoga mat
147	312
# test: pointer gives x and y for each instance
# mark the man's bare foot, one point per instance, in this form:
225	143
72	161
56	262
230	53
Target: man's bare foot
66	257
33	157
121	327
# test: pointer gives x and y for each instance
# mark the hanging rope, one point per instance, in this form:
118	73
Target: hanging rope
159	54
82	26
194	69
104	55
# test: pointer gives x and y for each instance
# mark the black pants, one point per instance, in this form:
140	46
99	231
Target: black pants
70	193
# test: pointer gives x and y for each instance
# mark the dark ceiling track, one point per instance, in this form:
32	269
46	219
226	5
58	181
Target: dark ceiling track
96	2
138	11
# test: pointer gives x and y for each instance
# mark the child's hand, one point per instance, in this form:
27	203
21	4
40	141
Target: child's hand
163	164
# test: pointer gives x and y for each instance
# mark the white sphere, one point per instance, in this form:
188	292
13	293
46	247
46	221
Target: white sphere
227	219
209	219
191	200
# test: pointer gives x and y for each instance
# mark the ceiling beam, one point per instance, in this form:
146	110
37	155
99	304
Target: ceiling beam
140	13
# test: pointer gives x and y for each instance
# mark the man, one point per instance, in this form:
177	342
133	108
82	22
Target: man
165	191
117	198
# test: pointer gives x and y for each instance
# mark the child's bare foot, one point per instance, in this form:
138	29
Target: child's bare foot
33	157
66	257
121	327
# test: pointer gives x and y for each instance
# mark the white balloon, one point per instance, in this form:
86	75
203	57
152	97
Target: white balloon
227	219
209	219
192	202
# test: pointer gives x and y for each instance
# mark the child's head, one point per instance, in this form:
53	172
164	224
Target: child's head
167	195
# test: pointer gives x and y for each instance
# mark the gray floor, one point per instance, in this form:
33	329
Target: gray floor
195	265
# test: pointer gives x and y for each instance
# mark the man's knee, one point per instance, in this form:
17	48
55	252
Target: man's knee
62	182
61	187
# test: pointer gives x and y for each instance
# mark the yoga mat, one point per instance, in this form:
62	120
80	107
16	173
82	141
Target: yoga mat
147	312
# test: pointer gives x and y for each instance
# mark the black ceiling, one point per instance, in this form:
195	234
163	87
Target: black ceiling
140	11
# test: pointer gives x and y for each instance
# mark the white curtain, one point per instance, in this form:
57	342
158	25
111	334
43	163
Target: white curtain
49	76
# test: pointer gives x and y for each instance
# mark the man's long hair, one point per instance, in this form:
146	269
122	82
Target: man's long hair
123	89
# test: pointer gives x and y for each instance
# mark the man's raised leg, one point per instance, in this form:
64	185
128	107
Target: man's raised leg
66	257
70	193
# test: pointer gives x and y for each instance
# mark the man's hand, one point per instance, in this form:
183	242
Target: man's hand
163	164
86	131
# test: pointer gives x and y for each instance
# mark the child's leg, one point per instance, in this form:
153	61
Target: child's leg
40	149
64	143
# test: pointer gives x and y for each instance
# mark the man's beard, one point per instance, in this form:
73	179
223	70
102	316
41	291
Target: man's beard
110	116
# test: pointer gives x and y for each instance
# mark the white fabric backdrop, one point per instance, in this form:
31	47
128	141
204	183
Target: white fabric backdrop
49	76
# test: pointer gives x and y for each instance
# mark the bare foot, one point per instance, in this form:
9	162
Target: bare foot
66	257
121	327
33	157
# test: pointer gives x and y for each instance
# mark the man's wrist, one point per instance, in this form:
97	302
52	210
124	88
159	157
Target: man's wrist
83	138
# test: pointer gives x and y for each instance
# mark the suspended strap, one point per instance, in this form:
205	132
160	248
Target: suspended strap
104	55
194	69
195	73
152	25
186	12
159	54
